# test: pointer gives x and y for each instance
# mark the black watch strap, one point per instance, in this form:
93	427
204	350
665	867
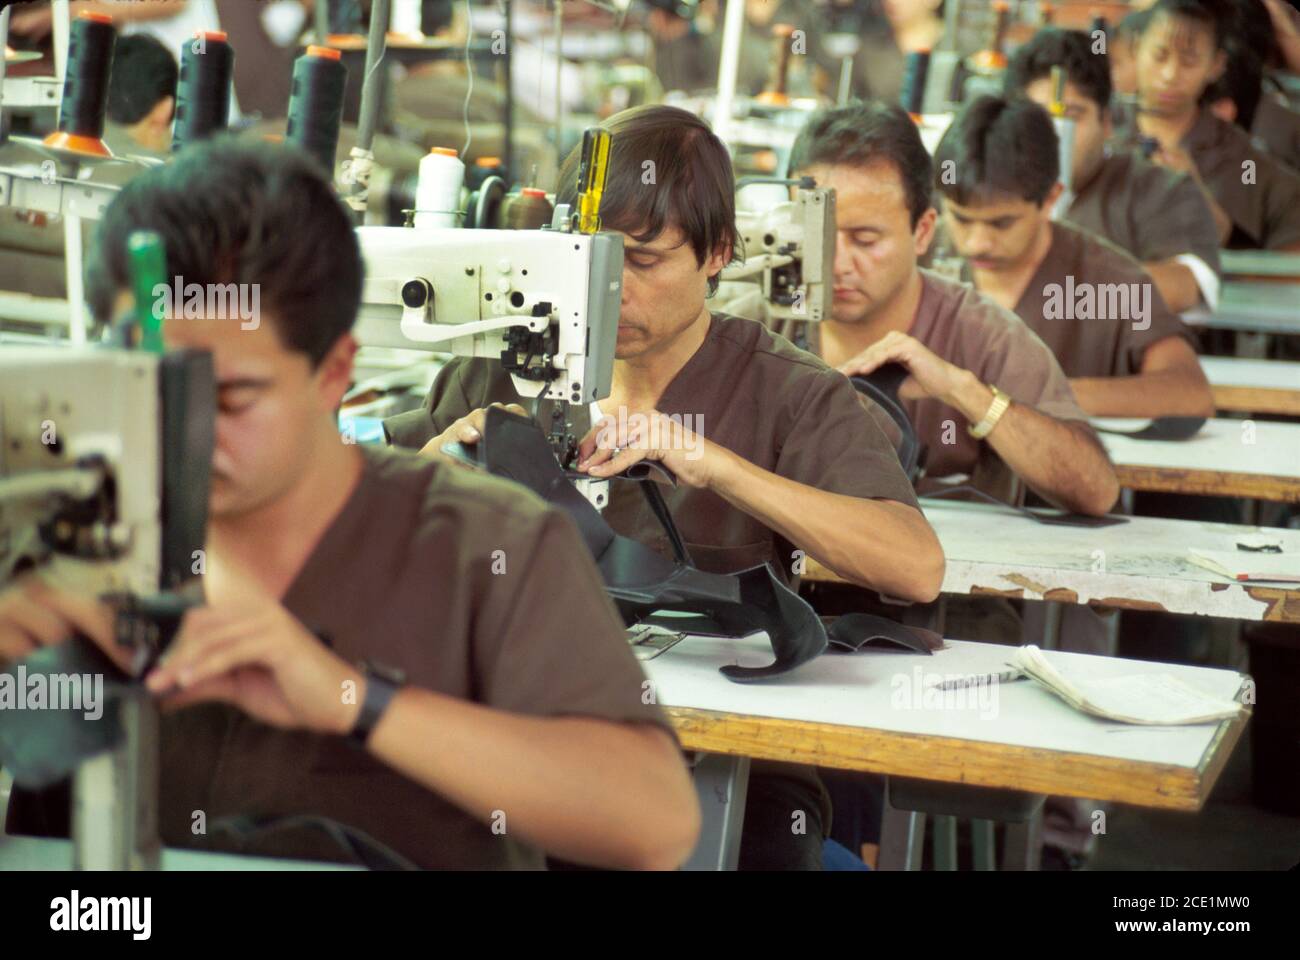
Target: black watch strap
382	684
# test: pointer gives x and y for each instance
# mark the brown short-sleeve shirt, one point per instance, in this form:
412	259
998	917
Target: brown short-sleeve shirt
1277	129
1264	206
408	575
746	389
1152	212
967	329
1095	307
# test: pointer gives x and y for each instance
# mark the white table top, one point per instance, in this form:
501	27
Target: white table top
1140	564
882	692
1262	307
1262	263
38	853
1256	447
1241	372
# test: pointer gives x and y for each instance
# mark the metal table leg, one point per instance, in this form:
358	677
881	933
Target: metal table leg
902	837
945	843
982	845
721	783
1022	847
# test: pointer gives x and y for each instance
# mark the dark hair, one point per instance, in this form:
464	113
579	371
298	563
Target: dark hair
237	212
1068	49
1213	14
144	71
1242	83
1253	32
860	134
692	186
998	148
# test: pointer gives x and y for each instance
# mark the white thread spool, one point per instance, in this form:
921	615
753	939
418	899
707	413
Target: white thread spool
437	193
405	20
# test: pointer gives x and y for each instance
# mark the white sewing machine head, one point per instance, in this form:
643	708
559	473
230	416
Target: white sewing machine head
543	302
104	466
790	251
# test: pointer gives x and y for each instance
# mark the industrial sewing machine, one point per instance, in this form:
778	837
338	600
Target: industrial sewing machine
105	458
789	250
545	303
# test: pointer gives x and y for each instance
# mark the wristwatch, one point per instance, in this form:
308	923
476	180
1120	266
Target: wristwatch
995	411
382	684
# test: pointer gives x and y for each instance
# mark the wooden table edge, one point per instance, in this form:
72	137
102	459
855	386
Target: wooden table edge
951	760
1277	401
1254	486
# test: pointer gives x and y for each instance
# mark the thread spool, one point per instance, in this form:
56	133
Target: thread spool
437	195
405	18
775	95
526	210
203	90
483	168
85	85
316	104
915	69
994	59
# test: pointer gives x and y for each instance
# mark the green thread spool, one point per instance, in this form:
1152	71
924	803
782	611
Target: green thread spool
147	262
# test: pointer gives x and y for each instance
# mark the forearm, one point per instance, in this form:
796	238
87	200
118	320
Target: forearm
1059	461
1162	393
881	544
588	790
1176	283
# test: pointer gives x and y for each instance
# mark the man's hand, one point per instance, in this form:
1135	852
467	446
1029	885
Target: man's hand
614	444
931	375
254	655
467	430
34	614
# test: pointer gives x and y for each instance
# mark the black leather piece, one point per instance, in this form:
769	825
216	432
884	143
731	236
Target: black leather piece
639	580
41	747
1161	428
881	385
1039	516
853	631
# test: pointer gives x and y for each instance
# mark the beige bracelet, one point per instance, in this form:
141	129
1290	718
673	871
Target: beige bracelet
996	409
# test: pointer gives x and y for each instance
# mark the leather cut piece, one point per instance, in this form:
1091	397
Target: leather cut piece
852	632
882	386
640	581
1039	516
1161	428
40	747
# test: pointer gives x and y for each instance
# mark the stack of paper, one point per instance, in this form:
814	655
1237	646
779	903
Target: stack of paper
1135	698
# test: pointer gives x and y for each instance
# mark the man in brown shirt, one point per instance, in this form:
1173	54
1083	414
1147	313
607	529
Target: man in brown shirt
775	454
1161	217
1126	353
523	723
957	344
1179	54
